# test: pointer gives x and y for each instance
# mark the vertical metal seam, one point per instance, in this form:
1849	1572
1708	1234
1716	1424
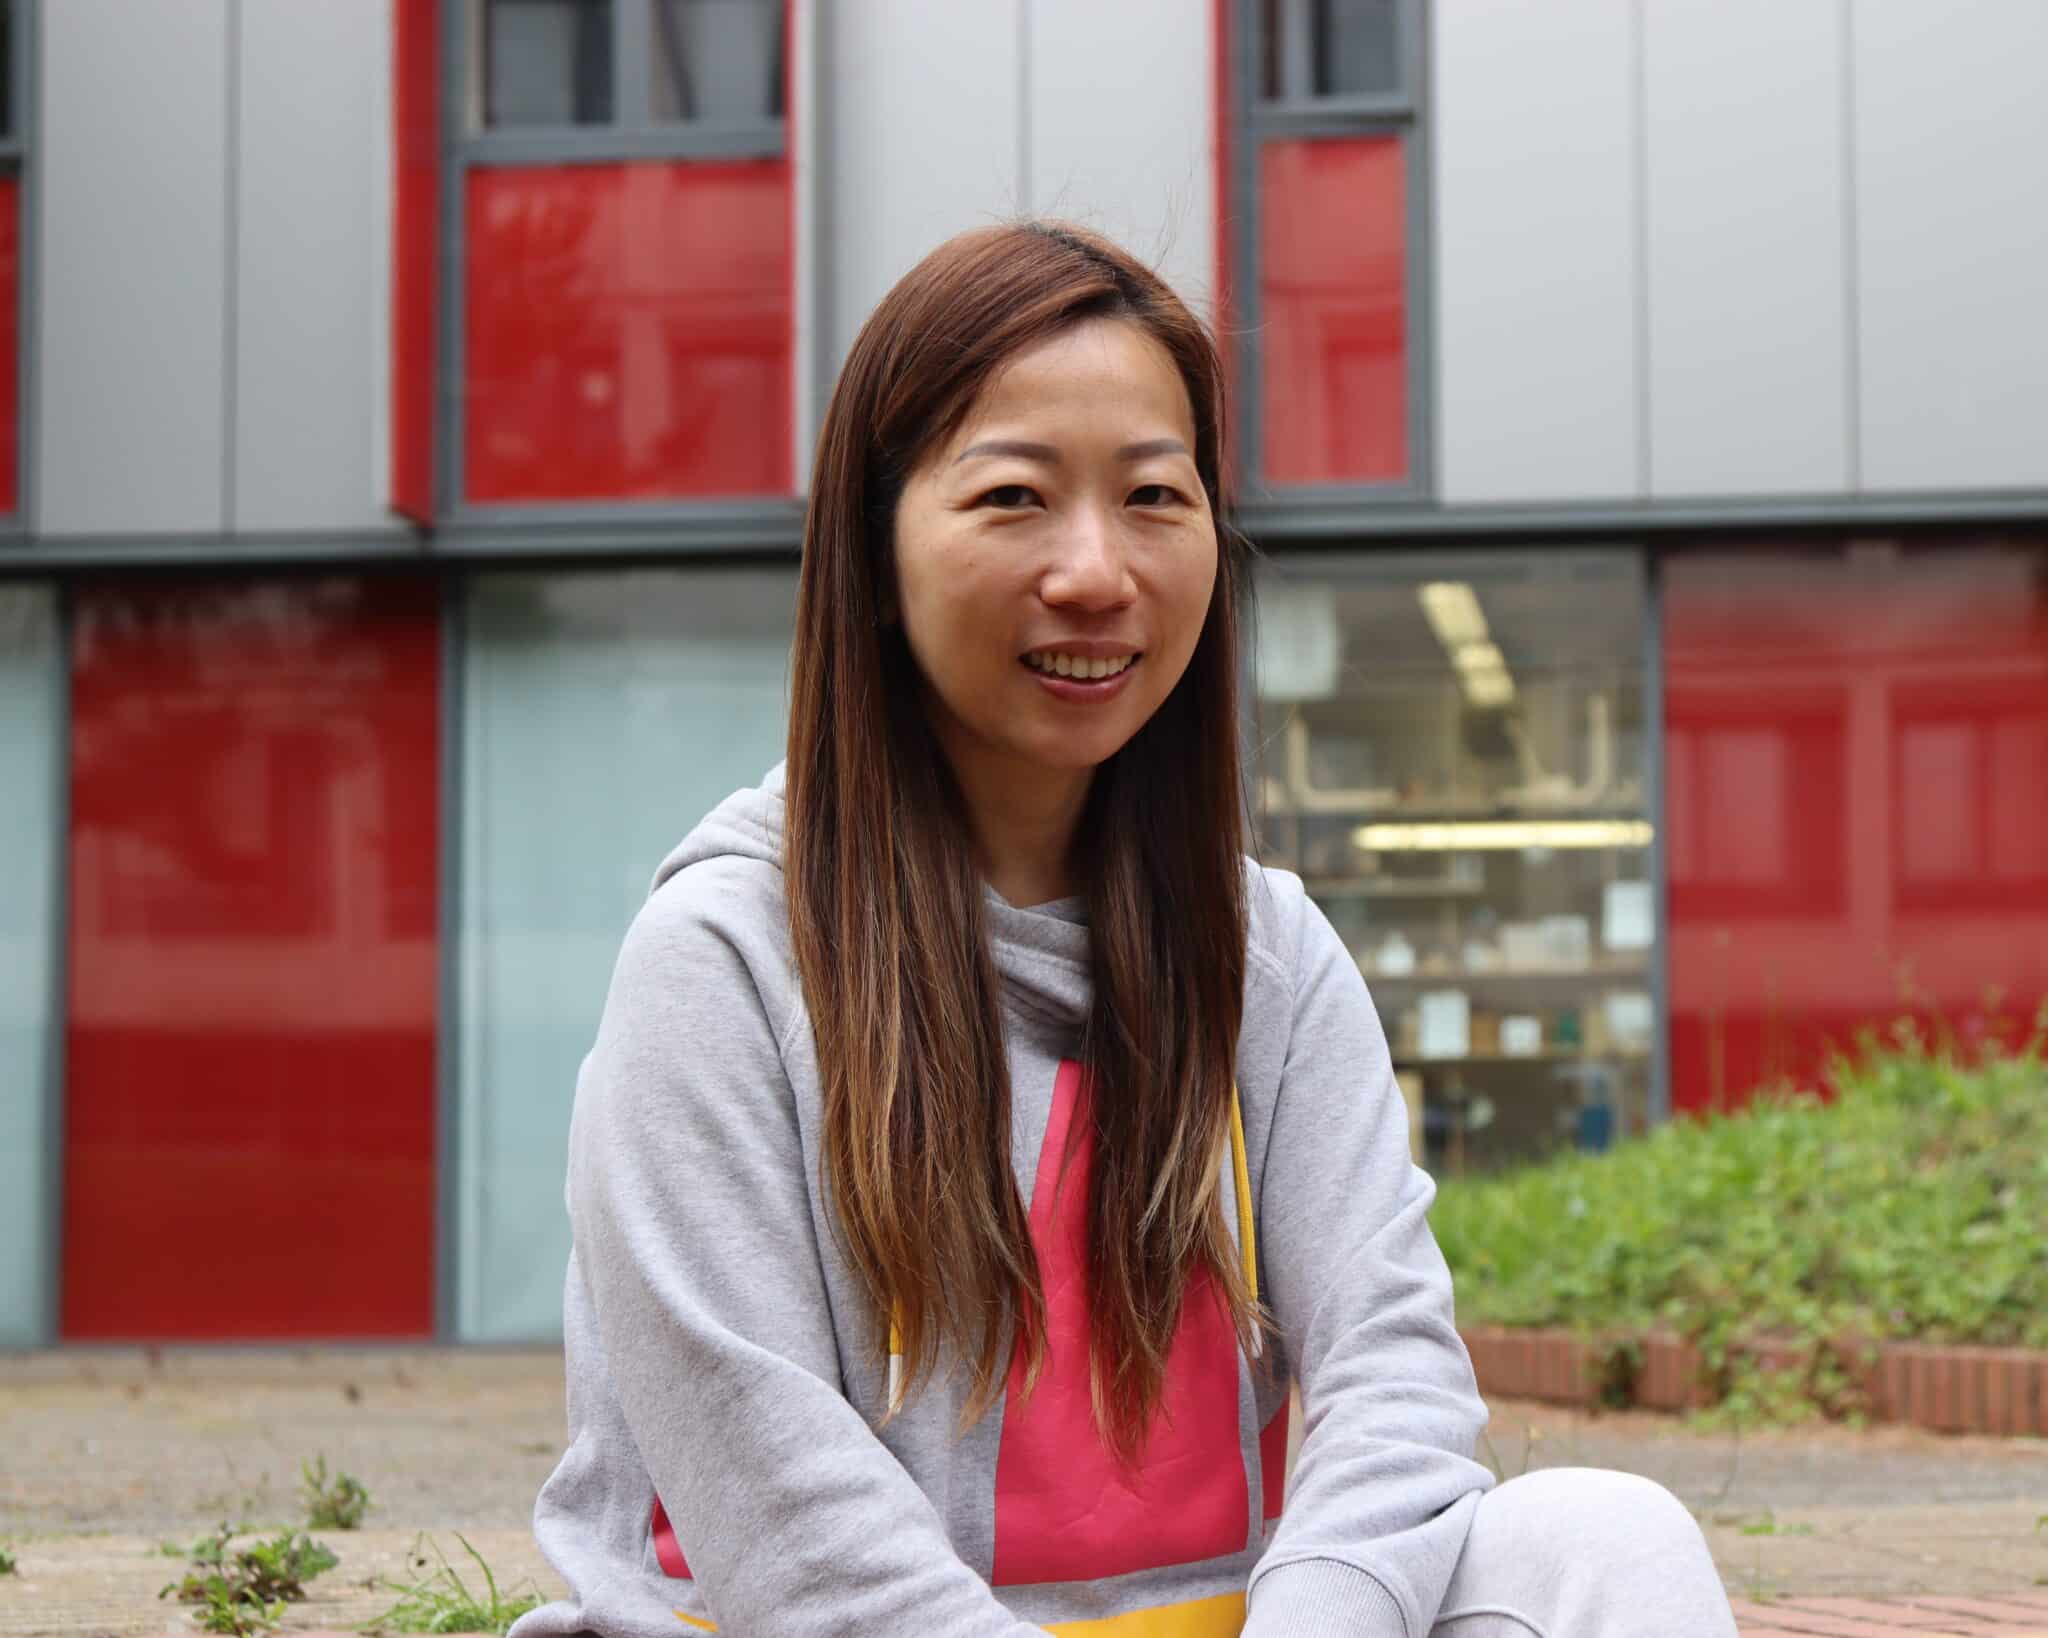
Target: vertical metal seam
58	1003
1249	216
452	177
1024	107
1421	255
231	240
1639	148
1852	267
27	90
1652	558
448	1170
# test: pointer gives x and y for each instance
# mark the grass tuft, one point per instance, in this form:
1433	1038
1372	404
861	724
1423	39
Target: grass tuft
441	1601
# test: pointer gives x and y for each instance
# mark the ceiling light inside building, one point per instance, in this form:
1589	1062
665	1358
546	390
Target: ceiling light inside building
1499	835
1454	614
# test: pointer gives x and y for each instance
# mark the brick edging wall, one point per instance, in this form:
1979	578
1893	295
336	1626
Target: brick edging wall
1951	1388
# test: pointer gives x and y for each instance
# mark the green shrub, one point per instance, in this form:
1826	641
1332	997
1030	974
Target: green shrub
1914	1204
8	1564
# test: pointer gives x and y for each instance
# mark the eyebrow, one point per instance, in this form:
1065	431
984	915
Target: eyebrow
1051	457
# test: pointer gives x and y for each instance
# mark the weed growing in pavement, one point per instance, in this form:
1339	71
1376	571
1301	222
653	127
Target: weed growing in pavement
1913	1204
8	1563
245	1590
441	1601
337	1504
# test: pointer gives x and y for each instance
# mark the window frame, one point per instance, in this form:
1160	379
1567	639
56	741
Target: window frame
1255	121
631	136
20	158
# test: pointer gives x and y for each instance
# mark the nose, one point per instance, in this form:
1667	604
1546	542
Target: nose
1089	572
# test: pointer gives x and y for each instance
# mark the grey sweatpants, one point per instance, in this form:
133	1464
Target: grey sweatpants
1580	1552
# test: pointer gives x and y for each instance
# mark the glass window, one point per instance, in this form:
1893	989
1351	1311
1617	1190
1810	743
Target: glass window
1451	754
6	68
604	714
1330	48
254	958
547	62
628	331
31	717
715	60
1857	769
1333	259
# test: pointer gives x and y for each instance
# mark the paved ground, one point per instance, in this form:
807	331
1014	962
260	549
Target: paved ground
106	1455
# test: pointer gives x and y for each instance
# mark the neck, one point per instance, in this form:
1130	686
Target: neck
1023	821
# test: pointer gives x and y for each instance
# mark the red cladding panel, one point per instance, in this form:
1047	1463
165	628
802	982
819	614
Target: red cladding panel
1333	294
1856	766
628	332
249	1147
415	253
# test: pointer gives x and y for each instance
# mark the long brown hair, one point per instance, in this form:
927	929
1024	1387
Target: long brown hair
885	900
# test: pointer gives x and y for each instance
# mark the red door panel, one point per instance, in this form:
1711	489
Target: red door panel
1856	769
1333	310
249	1147
627	332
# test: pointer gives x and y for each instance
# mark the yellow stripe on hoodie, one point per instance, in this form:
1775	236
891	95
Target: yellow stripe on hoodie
1220	1617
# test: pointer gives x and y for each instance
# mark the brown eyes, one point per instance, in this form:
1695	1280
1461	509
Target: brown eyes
1015	497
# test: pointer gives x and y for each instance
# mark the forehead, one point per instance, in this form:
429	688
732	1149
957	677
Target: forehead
1113	369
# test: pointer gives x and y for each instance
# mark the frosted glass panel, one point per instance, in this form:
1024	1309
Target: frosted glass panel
30	716
604	715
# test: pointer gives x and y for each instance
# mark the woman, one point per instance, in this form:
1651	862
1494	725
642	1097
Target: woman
975	1143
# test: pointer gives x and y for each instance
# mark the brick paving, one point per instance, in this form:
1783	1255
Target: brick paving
2022	1614
105	1454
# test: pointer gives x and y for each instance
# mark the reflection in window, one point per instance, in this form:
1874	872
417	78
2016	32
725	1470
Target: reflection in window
548	62
1330	48
715	60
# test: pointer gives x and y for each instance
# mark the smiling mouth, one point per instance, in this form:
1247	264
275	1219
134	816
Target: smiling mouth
1079	667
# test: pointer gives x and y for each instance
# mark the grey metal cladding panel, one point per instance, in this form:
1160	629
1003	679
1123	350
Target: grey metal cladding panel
1535	196
133	245
924	102
1951	168
1748	292
1120	118
312	308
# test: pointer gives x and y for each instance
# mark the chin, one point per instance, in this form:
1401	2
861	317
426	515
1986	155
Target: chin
1076	755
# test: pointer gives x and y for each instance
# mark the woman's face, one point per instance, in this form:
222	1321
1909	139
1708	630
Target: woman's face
1055	557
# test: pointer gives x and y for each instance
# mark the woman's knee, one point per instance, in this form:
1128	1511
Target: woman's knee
1590	1505
1579	1550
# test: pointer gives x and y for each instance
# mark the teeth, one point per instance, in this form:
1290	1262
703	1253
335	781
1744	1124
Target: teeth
1077	667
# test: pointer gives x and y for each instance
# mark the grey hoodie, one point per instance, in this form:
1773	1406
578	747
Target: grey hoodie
727	1466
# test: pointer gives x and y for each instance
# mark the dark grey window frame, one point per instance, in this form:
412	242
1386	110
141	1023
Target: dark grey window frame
19	157
1255	121
631	135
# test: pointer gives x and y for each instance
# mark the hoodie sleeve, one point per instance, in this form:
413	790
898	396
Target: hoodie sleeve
690	1207
1385	1487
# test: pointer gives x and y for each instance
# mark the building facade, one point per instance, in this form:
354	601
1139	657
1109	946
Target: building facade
404	407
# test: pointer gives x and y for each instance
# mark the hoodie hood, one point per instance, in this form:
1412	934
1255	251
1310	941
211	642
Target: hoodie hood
1041	951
